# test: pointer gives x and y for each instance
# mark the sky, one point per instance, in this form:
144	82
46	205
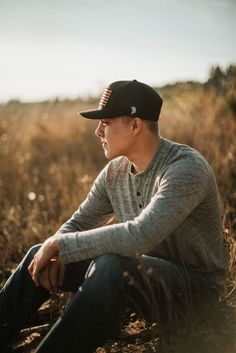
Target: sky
75	48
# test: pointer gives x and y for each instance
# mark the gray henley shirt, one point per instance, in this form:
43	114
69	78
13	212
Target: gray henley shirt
170	210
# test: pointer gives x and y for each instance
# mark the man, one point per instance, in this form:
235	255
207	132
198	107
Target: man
165	252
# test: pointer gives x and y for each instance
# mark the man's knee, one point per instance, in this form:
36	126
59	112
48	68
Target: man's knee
109	259
108	265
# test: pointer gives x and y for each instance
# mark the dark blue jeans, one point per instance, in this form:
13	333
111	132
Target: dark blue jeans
158	289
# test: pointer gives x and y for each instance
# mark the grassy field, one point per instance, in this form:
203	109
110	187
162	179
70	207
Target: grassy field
50	157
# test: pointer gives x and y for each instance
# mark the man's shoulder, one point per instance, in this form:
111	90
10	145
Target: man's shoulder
184	153
176	147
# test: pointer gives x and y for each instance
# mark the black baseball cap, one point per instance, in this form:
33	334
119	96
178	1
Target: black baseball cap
129	98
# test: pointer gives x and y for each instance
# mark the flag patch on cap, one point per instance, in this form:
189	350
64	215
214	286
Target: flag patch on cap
105	97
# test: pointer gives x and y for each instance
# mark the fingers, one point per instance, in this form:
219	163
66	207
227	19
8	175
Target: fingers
44	278
35	270
46	269
31	267
57	271
52	276
46	253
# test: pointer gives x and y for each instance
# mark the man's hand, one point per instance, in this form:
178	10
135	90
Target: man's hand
48	252
52	276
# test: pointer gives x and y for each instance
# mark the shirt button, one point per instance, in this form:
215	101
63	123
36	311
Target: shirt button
138	193
140	206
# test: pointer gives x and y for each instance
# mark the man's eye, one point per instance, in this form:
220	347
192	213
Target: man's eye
104	124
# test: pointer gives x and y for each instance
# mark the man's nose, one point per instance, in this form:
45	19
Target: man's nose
99	130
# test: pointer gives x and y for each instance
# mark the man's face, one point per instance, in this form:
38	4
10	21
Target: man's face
116	136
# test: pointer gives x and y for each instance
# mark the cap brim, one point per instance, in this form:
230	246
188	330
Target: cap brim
96	114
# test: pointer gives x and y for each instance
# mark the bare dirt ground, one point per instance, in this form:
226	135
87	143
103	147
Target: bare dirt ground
214	332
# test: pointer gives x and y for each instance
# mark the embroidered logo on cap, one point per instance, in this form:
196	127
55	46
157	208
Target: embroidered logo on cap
105	97
133	110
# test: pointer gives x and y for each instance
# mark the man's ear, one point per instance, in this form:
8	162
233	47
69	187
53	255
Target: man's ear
136	124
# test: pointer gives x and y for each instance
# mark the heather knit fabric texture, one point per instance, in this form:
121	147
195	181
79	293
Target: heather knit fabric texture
170	210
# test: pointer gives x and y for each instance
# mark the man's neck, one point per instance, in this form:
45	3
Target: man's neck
144	154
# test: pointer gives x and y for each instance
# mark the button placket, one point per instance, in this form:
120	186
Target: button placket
138	193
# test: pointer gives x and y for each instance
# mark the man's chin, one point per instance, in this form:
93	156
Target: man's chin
110	156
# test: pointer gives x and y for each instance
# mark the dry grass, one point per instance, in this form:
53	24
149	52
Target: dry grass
49	158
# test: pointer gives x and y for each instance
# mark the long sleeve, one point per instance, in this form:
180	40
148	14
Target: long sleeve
94	211
182	188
